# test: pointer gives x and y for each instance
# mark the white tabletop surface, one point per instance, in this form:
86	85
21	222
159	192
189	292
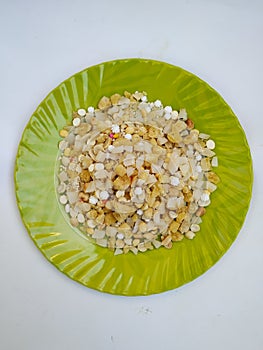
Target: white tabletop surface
43	43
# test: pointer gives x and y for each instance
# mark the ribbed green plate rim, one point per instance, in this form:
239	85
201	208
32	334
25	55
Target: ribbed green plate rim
154	271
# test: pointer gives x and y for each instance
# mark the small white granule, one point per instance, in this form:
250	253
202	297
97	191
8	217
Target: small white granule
174	181
99	166
148	109
120	194
91	167
81	218
104	195
120	235
67	208
110	148
198	169
93	200
158	103
138	191
76	121
174	115
144	98
210	144
205	197
90	109
195	228
91	223
198	157
115	128
81	112
168	109
139	212
63	199
128	137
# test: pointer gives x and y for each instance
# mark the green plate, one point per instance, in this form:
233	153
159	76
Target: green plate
154	271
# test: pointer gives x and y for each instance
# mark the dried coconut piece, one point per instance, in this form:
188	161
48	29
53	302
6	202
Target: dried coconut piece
130	171
91	223
72	196
177	236
182	114
118	149
119	243
207	152
134	250
118	251
129	160
104	102
123	208
100	157
85	176
141	247
121	182
98	234
63	145
102	242
128	149
214	162
90	187
205	164
63	133
101	174
174	226
204	136
156	244
111	231
109	219
124	227
74	222
200	211
100	218
104	195
124	101
62	187
93	200
189	235
209	186
92	214
130	129
212	177
166	241
115	99
174	137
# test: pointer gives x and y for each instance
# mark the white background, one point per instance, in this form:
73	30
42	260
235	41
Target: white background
43	43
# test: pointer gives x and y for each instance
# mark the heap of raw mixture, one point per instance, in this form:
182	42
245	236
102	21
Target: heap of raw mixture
135	175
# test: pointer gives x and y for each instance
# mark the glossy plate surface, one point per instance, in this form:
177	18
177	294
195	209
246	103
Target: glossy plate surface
154	271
